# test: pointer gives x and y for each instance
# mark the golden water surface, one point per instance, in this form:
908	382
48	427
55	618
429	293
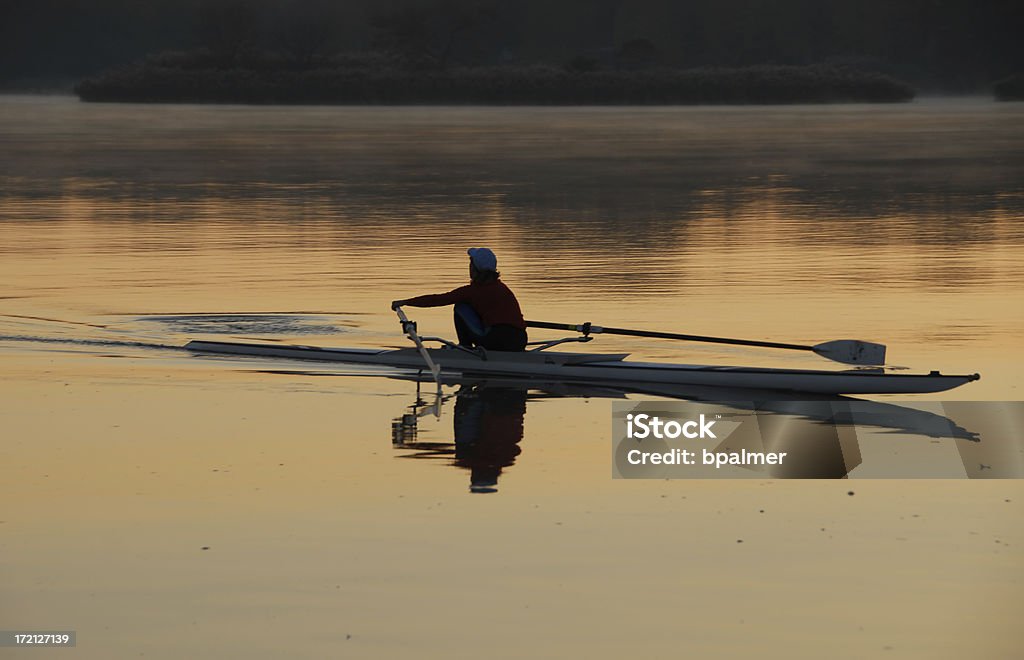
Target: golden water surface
171	505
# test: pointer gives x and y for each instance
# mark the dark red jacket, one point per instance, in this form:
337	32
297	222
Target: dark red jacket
493	301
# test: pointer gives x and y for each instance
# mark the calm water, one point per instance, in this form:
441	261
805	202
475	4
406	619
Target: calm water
333	515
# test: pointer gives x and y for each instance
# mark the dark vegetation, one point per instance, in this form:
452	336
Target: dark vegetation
514	51
191	78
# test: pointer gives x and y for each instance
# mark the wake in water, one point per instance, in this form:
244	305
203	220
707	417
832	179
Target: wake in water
245	324
48	330
106	343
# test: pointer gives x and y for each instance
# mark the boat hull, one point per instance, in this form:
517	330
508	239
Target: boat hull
609	368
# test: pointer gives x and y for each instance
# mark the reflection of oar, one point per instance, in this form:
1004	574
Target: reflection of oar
849	351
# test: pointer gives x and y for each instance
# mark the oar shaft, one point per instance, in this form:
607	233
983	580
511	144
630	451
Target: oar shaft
713	340
587	328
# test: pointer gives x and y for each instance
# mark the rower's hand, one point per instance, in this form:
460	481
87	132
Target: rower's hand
395	304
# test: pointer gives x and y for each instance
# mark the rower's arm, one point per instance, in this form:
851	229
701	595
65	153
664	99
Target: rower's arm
461	294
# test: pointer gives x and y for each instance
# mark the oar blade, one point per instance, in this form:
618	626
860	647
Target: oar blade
852	351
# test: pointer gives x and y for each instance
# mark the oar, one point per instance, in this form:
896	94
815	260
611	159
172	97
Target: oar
409	328
849	351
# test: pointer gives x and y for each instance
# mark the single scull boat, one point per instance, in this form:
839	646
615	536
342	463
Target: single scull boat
611	368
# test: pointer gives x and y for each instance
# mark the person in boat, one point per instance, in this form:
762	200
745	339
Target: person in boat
487	313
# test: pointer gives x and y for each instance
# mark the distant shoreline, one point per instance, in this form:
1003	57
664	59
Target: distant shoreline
164	80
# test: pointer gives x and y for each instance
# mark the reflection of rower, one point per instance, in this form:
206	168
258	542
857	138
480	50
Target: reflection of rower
488	430
488	427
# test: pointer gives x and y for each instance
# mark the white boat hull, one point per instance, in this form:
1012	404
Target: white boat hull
610	368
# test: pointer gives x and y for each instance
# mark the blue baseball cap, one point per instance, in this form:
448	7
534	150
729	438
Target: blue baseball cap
483	258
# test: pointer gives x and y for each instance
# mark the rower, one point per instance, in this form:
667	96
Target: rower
487	313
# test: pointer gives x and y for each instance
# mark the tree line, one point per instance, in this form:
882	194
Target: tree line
951	45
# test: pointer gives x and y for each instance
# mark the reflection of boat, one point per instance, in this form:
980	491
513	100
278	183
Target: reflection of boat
834	409
606	368
822	434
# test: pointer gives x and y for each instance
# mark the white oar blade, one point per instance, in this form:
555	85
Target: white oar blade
852	351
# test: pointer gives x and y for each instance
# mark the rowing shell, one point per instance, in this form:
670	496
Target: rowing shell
608	368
